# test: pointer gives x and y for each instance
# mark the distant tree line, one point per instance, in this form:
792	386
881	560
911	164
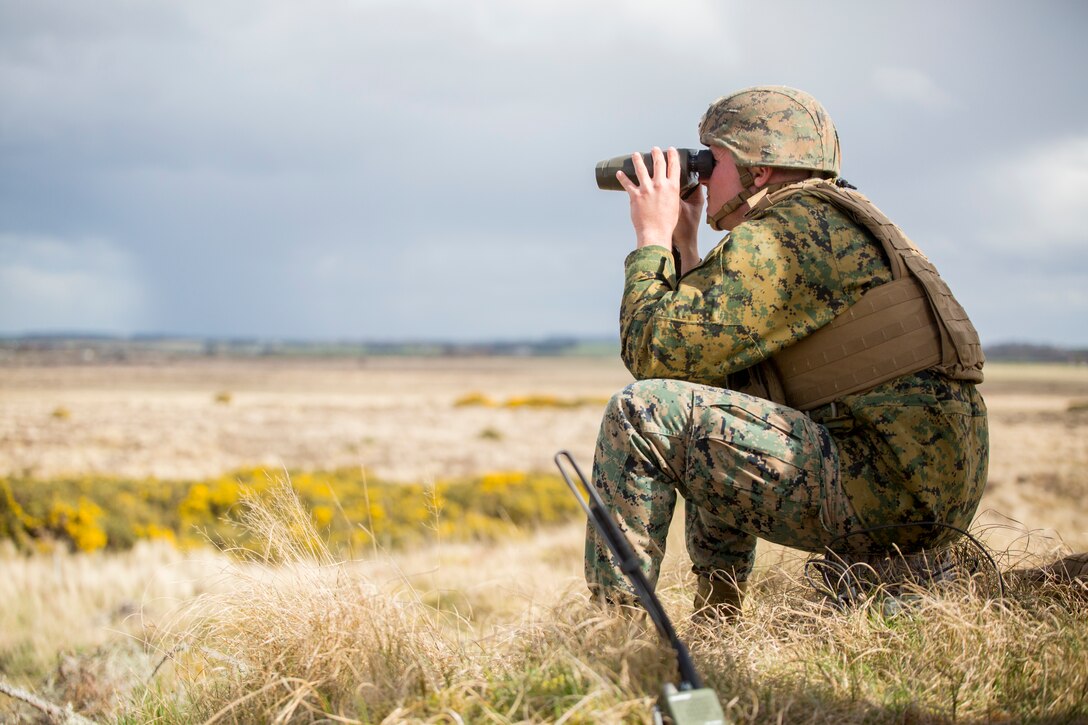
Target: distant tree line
105	349
1025	352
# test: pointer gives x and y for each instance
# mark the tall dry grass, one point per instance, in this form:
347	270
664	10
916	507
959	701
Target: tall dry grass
72	626
302	637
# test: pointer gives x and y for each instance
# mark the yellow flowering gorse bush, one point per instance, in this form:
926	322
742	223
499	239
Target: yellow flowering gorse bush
351	511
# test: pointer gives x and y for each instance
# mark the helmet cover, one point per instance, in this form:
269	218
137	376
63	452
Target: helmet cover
773	126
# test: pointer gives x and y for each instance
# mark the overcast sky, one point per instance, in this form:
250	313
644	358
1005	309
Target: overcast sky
407	169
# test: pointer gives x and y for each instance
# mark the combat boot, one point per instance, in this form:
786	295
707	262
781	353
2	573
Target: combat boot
718	598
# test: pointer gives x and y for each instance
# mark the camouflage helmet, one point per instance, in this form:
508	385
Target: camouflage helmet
773	126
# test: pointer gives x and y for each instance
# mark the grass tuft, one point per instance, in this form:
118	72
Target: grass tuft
298	636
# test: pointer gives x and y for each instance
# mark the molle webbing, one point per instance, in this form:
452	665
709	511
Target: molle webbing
910	324
889	332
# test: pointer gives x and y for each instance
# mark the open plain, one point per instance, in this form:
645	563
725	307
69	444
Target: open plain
96	630
397	417
400	419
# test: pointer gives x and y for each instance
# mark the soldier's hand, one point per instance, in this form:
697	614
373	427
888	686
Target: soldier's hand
685	237
655	200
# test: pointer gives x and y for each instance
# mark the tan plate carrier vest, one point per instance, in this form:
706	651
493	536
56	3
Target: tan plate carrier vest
910	324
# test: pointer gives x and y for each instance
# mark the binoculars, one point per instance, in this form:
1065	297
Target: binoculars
695	166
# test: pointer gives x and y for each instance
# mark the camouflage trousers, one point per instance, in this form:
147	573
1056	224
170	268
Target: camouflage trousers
747	468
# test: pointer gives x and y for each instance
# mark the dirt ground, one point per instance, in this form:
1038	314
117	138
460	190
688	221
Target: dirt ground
397	418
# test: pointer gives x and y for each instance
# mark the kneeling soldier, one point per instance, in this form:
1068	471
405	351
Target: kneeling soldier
810	382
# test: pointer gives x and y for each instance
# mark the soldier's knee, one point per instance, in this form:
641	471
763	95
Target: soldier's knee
654	403
642	393
627	402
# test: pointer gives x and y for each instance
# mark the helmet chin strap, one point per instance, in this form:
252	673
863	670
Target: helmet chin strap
748	185
749	196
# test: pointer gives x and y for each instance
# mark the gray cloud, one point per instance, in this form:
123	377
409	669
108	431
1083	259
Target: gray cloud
1039	197
416	168
44	280
910	85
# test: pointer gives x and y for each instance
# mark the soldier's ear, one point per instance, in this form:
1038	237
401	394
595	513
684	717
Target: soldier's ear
761	175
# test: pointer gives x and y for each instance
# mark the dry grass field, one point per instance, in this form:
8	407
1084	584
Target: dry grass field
464	632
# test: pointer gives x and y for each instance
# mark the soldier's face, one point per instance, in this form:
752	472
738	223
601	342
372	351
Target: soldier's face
723	185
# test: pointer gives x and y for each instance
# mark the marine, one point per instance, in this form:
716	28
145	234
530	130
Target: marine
811	381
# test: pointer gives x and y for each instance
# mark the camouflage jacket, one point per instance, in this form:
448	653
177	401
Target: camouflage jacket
911	449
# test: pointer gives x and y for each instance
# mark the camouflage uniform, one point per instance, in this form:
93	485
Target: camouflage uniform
909	450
